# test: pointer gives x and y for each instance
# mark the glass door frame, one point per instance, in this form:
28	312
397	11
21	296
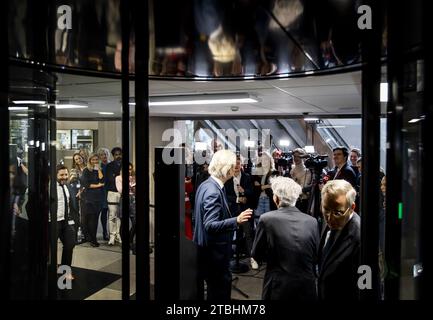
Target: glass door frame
129	9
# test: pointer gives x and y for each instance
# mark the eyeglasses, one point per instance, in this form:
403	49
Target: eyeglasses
336	213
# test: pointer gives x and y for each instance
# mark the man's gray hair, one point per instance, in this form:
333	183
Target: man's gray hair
221	164
287	190
106	152
335	188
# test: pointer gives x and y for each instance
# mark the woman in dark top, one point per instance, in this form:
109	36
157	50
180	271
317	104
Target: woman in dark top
78	165
93	184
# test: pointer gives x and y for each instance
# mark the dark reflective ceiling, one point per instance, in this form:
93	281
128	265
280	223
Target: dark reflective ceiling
193	38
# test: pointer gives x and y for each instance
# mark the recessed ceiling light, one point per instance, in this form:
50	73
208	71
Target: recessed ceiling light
18	108
415	120
309	149
70	104
249	143
180	100
29	102
384	92
106	113
284	143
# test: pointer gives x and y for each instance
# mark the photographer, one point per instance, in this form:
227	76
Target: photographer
316	164
302	176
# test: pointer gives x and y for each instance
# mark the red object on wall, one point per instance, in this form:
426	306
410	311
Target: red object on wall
188	208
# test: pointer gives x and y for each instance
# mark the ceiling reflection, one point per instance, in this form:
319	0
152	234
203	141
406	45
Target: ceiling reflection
193	38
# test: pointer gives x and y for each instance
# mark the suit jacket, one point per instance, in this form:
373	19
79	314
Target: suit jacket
214	223
346	173
74	209
231	194
338	270
288	241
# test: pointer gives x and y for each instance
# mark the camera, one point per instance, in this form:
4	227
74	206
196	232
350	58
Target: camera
316	162
285	160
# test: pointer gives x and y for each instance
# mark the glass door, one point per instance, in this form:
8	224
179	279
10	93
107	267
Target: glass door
29	93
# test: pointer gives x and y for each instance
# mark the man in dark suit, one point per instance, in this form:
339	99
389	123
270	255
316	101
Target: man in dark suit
340	243
342	168
66	215
214	226
239	191
288	240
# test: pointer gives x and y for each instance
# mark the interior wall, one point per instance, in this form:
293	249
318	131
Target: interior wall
66	155
109	134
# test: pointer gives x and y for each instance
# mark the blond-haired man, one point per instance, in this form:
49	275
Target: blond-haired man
214	226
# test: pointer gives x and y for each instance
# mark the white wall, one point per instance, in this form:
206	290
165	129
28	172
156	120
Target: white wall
109	134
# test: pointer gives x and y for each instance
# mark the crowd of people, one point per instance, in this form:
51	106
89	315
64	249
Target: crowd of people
92	189
307	256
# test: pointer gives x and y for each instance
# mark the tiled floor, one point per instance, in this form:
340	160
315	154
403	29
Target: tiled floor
108	259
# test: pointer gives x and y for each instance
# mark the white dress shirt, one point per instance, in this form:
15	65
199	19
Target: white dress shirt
236	182
61	202
220	183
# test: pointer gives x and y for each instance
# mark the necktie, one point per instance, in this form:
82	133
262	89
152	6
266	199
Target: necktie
66	203
329	243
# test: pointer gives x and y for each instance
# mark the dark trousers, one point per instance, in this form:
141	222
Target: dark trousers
82	221
214	262
104	220
66	234
248	229
91	212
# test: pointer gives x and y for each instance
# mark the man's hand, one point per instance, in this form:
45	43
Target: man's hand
266	186
241	190
16	209
244	216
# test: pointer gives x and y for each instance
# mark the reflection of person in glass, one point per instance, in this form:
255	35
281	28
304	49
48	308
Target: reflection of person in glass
93	183
113	197
214	226
65	217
